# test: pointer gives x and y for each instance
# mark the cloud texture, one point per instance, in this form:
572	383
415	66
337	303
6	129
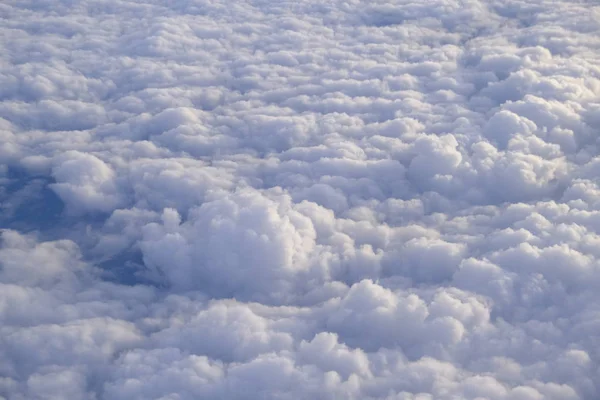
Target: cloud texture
299	200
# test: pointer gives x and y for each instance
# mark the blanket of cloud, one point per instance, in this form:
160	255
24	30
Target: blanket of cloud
255	199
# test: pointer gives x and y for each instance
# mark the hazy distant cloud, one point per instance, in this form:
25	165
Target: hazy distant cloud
243	200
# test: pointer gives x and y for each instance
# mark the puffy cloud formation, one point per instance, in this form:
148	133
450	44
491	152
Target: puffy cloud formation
299	200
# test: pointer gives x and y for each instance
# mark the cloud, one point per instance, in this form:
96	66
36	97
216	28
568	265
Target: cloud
242	200
85	183
273	244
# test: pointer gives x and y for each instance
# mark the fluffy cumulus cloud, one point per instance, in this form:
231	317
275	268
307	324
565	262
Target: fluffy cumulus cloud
251	199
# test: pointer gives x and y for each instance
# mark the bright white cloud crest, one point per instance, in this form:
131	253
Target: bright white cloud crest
299	200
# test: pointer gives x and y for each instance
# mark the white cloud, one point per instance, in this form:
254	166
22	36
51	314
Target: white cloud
242	199
85	183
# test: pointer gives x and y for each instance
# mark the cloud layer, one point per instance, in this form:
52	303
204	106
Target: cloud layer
275	200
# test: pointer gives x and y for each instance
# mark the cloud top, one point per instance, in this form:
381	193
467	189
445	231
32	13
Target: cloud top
328	200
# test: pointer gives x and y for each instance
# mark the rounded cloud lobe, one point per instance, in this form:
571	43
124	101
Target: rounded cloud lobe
328	200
